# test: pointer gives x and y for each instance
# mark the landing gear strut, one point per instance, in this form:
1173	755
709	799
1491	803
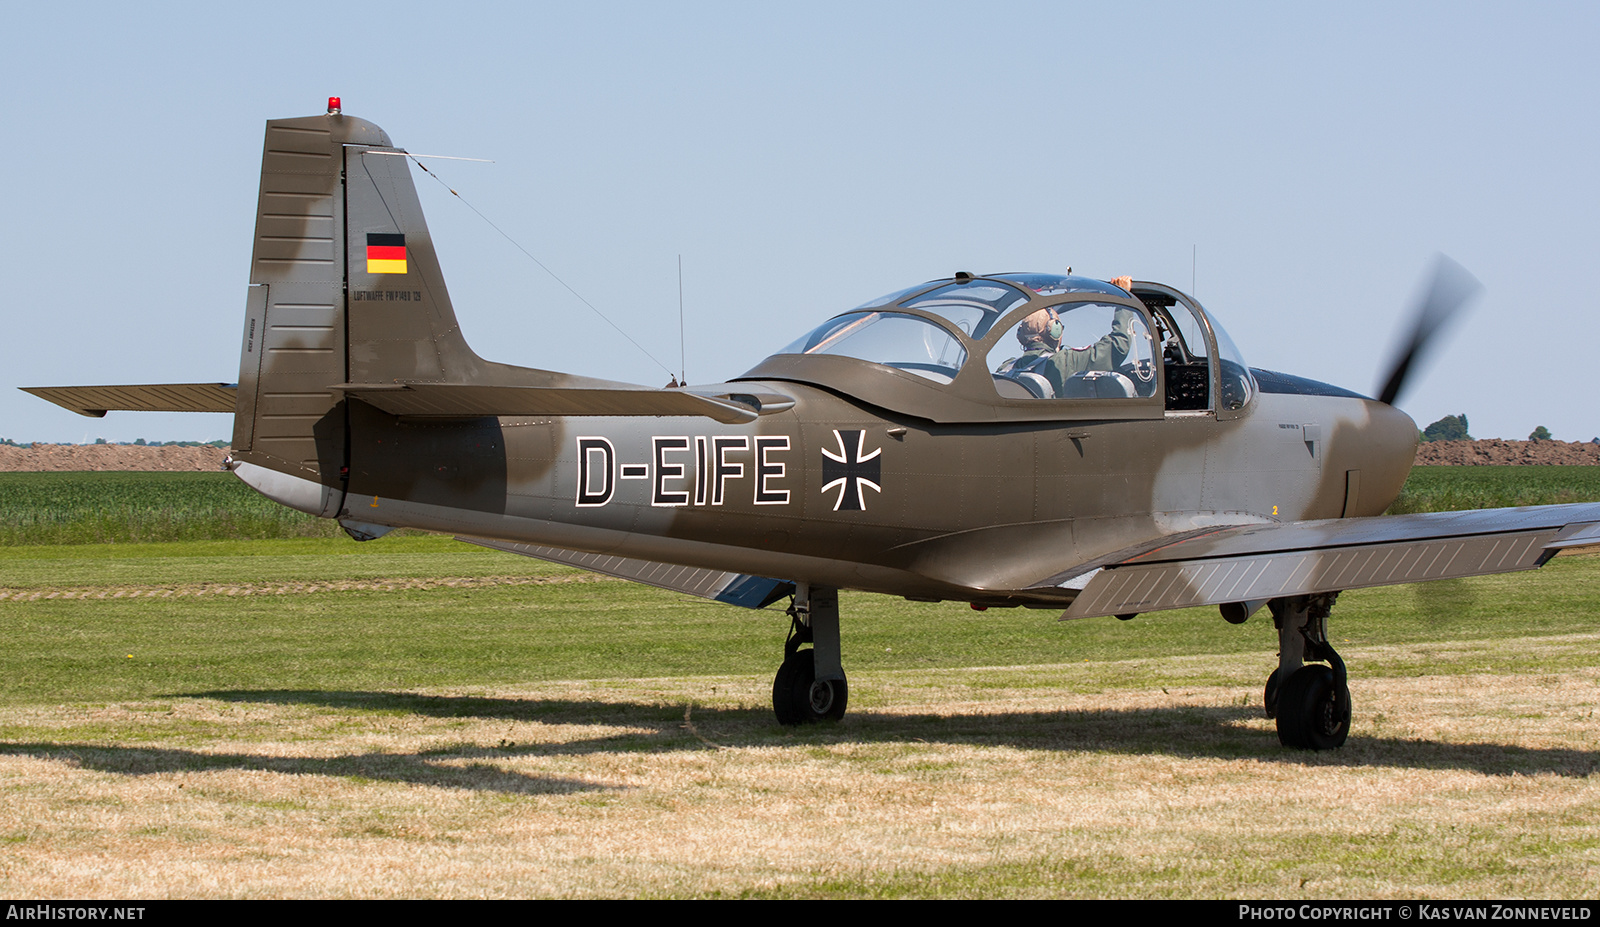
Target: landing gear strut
810	685
1310	701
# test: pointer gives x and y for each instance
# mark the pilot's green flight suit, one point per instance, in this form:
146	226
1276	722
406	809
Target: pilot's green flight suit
1058	365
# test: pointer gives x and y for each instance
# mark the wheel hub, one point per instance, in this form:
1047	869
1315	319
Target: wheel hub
821	697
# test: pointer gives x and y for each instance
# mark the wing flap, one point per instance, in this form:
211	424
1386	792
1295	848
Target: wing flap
1576	536
96	401
732	588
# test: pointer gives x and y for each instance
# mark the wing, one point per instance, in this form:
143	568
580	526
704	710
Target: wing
1256	562
732	588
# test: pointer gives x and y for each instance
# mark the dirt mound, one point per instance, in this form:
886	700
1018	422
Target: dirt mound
1495	451
109	457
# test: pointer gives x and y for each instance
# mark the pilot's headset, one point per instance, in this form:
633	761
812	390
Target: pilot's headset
1050	327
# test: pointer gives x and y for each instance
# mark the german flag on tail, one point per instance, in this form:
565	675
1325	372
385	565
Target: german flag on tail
386	253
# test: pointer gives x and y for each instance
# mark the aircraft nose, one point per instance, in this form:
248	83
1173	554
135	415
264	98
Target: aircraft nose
1394	429
1384	454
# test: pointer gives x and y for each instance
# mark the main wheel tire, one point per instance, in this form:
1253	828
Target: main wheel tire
1313	710
1270	695
797	696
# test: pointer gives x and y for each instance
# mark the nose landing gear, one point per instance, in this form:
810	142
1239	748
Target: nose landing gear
1311	702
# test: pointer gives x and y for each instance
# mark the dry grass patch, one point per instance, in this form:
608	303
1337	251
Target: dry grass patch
468	740
965	782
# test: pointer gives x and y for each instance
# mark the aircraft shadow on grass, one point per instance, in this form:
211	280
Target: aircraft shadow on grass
1179	730
413	769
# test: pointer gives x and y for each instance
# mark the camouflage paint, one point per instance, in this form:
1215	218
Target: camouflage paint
871	478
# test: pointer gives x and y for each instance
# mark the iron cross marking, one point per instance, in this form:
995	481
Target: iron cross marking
851	469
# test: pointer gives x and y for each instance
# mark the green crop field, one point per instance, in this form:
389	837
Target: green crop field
90	508
1442	489
114	507
414	717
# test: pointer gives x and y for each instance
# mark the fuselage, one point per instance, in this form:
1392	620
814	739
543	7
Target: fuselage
834	491
962	438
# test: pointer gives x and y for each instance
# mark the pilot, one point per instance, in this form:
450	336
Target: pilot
1043	353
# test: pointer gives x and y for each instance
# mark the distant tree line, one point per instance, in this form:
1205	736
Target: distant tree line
137	442
1449	428
1454	428
140	442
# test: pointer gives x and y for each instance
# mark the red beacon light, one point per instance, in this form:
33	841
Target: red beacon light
333	106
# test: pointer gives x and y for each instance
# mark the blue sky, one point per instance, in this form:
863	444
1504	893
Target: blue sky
1300	164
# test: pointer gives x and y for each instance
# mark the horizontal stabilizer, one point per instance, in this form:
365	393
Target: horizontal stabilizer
96	401
731	588
451	400
1268	561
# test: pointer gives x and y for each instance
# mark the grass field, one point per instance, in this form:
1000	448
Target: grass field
1441	489
132	508
415	717
116	507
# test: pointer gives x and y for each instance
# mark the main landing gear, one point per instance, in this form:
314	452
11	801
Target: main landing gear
1311	702
810	685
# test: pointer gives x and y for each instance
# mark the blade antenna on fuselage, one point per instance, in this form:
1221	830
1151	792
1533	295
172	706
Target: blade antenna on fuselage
518	245
683	363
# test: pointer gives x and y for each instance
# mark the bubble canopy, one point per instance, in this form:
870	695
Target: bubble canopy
971	305
1001	340
894	339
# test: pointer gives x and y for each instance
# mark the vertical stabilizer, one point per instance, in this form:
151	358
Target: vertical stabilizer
344	287
402	326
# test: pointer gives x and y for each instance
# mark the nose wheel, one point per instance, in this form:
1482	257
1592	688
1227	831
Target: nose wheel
1314	710
1310	701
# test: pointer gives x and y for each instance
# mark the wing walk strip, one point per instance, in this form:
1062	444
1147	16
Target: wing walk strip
732	588
1151	587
